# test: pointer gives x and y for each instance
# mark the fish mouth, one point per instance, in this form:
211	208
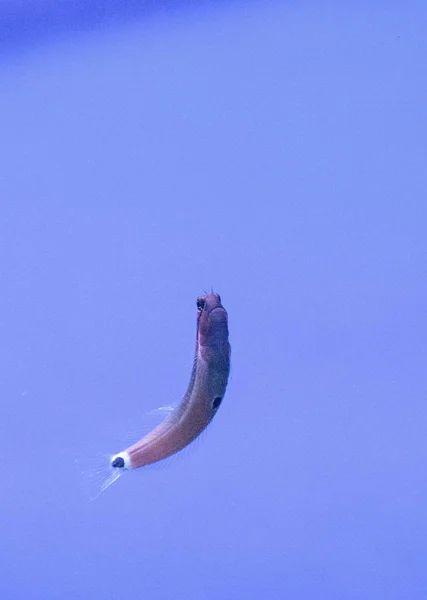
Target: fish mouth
217	313
218	326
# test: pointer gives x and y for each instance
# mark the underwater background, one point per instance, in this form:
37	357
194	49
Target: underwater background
275	152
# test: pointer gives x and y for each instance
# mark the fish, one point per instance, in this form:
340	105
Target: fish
204	395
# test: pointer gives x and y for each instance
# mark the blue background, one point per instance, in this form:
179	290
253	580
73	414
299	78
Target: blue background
276	152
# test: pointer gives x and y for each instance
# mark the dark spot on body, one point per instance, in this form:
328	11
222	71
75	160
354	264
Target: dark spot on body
118	463
216	402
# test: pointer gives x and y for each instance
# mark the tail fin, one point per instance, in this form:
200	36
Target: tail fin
98	474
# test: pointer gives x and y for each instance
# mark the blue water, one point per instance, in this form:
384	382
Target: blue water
276	152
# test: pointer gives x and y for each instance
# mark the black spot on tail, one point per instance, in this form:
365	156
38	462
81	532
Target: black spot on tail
118	463
216	402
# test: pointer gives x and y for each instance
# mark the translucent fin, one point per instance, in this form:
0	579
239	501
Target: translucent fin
97	473
171	460
149	421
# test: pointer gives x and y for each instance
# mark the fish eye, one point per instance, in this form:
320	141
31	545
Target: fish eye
118	462
216	402
201	303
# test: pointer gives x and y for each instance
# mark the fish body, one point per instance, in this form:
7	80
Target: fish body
203	397
206	389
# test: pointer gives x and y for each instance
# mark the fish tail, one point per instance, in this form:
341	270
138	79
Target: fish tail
98	473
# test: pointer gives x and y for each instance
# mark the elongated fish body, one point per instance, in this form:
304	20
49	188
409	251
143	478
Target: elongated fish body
204	395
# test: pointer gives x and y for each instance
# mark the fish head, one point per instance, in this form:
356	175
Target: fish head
212	325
